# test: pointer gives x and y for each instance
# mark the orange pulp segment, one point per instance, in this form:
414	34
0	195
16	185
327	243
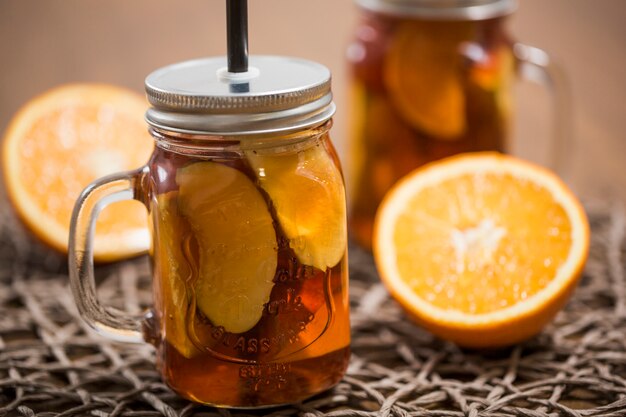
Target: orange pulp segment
61	141
482	249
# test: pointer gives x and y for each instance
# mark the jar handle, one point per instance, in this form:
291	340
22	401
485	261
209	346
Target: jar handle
110	322
534	64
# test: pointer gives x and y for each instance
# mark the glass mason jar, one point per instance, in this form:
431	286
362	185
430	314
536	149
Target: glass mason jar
248	223
431	79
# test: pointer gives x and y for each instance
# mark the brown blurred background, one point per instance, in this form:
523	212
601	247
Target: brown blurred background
47	43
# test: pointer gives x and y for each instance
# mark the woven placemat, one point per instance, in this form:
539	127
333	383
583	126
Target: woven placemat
52	365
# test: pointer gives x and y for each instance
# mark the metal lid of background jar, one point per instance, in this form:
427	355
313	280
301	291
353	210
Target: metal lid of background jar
442	9
277	94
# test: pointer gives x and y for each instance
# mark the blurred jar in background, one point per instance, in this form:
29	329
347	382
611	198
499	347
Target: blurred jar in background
429	79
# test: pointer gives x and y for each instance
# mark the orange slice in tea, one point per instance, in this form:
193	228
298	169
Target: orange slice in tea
422	75
481	249
237	243
61	141
307	191
176	275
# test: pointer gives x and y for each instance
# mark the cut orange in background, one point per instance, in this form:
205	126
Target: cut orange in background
61	141
481	249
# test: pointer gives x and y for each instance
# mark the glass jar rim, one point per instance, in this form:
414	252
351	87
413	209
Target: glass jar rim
463	10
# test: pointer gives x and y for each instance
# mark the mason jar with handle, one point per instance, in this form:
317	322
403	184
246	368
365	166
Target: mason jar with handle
248	225
433	78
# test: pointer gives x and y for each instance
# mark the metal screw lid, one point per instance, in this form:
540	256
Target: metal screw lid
442	9
276	94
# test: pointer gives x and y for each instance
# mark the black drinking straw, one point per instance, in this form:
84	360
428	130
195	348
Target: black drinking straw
237	35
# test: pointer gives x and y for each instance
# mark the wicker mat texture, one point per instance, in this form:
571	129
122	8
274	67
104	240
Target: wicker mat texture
51	365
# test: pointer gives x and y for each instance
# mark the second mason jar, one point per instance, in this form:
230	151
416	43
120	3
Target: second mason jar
430	79
248	213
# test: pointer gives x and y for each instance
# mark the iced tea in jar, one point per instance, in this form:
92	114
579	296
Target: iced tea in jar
248	215
429	79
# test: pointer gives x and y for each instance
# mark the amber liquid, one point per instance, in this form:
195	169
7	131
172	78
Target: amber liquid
386	143
300	344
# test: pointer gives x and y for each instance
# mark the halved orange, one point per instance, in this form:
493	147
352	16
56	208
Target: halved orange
61	141
482	249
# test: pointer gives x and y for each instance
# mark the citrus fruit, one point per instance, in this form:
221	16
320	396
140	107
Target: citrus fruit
481	249
495	73
175	276
236	241
422	73
61	141
306	189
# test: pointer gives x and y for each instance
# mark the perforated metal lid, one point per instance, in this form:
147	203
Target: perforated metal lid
276	94
442	9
